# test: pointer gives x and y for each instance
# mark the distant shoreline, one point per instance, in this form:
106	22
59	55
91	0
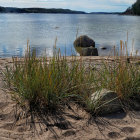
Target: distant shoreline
38	10
15	10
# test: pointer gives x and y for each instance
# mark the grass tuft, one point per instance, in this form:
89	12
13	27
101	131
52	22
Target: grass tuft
57	81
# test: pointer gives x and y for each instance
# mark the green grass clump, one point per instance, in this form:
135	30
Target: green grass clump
50	82
54	82
121	77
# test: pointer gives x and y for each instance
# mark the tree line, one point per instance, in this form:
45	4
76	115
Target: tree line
134	9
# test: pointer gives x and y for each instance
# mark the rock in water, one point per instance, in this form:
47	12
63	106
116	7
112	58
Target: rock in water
103	48
84	41
107	101
90	51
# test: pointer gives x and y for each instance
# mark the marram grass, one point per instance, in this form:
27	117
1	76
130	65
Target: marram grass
54	82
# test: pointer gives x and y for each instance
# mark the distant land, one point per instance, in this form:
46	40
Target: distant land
44	10
38	10
115	13
134	9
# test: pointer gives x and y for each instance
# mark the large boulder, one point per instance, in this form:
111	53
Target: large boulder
107	101
84	41
90	51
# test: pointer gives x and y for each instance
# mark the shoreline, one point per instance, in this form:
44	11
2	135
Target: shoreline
133	58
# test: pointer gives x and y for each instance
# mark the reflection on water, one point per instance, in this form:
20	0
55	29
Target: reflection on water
42	30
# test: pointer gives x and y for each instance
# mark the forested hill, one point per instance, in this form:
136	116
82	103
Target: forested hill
134	10
38	10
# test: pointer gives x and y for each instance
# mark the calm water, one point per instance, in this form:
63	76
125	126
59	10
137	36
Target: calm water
43	29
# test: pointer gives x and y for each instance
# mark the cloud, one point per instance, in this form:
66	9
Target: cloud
123	1
85	5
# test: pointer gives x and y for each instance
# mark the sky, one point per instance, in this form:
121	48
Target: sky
82	5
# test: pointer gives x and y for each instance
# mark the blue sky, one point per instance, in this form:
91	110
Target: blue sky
84	5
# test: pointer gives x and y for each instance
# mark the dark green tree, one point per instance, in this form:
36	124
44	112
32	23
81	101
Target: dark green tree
134	10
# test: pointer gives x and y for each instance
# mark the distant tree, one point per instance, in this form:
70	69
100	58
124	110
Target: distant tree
2	9
135	9
38	10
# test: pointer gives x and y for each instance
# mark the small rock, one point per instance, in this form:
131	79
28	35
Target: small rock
107	100
103	48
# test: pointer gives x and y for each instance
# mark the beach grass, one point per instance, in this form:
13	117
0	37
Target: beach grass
57	81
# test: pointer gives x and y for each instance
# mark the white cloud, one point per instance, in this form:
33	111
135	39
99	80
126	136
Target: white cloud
85	5
123	1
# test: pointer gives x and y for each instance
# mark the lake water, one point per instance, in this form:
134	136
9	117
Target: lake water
43	29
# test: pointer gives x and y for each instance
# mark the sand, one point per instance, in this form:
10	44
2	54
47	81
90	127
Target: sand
72	123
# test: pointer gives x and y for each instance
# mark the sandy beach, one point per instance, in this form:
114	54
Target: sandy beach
72	123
